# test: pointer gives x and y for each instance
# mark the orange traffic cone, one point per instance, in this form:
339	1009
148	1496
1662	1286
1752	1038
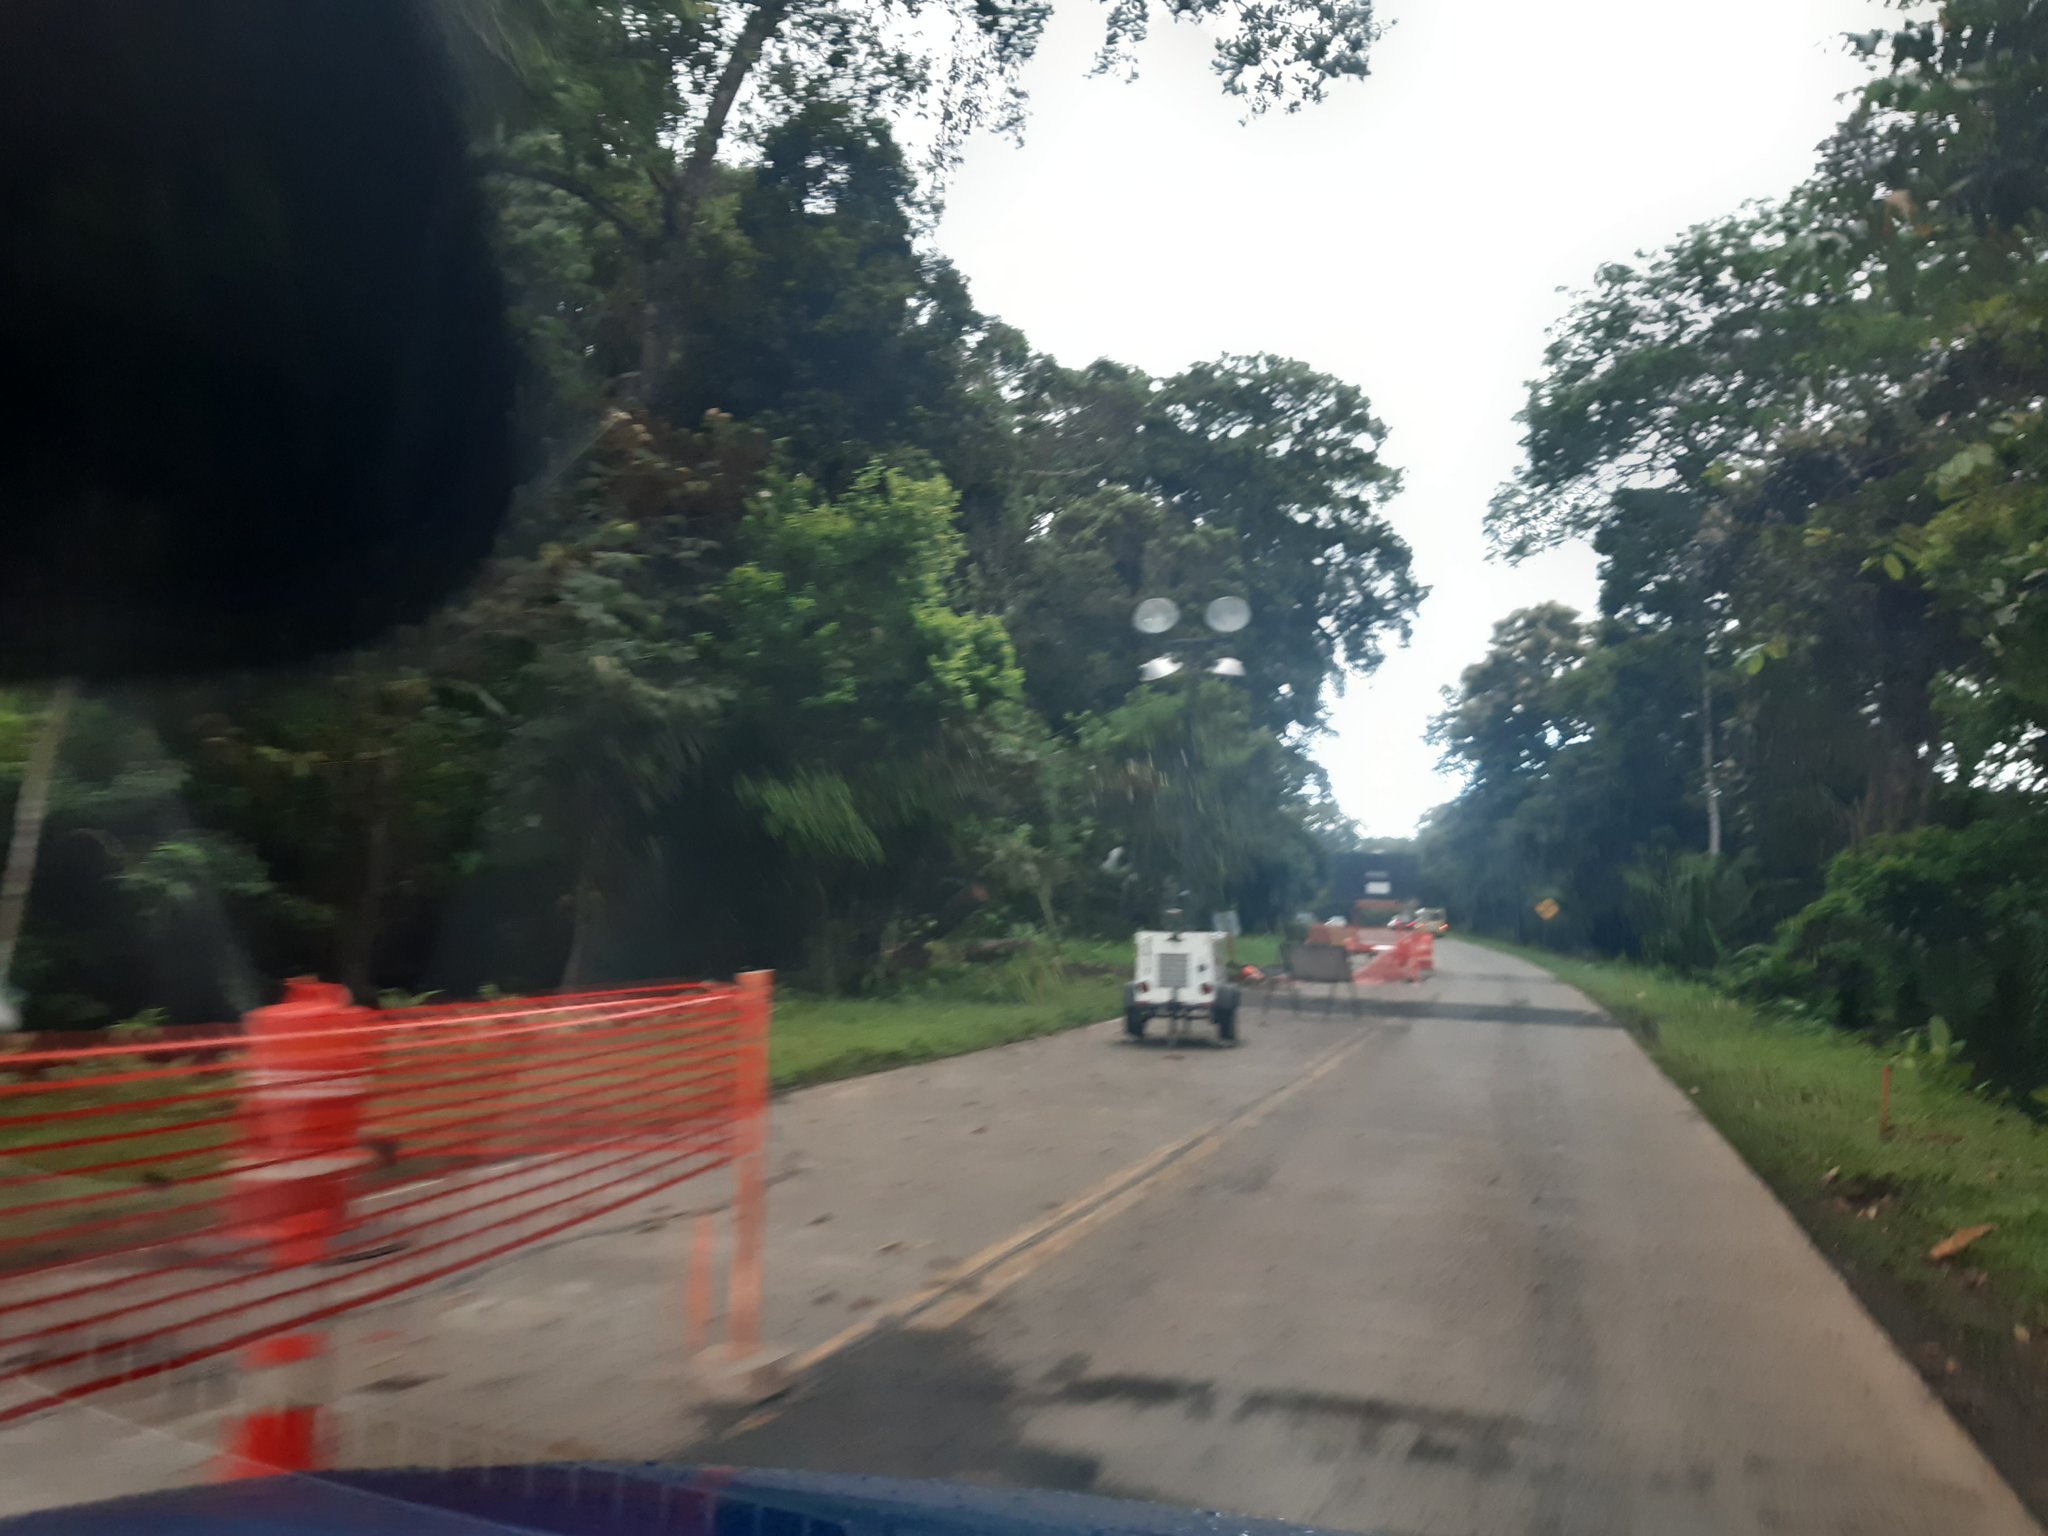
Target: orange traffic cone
284	1385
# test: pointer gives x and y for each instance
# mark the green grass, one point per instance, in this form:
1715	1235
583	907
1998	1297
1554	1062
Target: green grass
1799	1101
959	1008
955	1009
1260	949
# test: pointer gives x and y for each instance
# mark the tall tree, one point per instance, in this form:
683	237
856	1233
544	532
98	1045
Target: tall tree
1256	476
642	152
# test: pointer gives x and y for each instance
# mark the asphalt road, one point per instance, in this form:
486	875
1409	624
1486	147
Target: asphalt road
1470	1264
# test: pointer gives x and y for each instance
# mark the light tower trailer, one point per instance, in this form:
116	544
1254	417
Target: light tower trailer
1180	975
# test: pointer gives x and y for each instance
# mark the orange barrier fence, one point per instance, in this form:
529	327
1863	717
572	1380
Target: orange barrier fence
1389	954
168	1202
1395	961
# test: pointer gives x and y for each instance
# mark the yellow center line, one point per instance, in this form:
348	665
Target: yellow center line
1002	1263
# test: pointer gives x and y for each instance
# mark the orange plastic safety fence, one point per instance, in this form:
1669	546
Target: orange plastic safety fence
163	1203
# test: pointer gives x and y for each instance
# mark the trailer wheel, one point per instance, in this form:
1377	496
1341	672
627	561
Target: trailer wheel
1226	1025
1134	1023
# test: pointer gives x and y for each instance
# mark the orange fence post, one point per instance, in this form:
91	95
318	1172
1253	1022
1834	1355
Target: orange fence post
743	1294
301	1118
267	1141
285	1389
697	1294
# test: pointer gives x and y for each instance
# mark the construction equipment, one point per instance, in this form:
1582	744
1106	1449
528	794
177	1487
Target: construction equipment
1182	974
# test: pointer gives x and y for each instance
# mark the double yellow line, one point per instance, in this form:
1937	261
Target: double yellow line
978	1280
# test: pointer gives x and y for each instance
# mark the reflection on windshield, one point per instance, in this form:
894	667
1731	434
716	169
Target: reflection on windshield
699	834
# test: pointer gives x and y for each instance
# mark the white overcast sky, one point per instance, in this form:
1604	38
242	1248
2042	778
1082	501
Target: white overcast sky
1410	234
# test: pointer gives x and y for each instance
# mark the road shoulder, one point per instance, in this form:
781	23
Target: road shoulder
1800	1104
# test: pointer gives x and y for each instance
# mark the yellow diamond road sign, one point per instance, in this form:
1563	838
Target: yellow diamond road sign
1547	909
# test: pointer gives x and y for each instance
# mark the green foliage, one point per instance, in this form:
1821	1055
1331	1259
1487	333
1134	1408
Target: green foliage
1933	1051
813	815
1185	801
807	643
1686	909
146	1025
1807	442
1574	738
1250	475
1514	710
840	613
1943	922
134	907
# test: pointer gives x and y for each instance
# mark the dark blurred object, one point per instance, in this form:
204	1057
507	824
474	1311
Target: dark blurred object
603	1499
251	328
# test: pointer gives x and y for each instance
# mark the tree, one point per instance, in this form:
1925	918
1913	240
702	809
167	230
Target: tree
138	905
1251	475
31	807
1511	714
738	684
1806	442
1188	801
860	690
628	107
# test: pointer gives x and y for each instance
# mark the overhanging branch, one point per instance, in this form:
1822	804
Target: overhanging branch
597	202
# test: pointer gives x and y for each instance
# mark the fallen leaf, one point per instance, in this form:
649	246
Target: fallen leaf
1957	1241
1830	1176
2022	1334
890	1247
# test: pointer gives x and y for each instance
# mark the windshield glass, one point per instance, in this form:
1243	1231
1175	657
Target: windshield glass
1271	756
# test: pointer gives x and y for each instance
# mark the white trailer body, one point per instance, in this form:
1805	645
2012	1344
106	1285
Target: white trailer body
1181	975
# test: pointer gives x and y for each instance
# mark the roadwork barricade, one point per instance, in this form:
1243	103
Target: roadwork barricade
1345	956
224	1199
1381	954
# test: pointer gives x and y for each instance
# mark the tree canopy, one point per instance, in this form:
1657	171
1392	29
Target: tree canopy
808	641
1806	442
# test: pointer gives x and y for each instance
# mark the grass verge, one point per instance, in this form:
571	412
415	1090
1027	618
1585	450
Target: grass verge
959	1008
948	1012
1799	1102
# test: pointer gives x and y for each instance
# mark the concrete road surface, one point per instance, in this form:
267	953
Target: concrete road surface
1463	1262
1469	1265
